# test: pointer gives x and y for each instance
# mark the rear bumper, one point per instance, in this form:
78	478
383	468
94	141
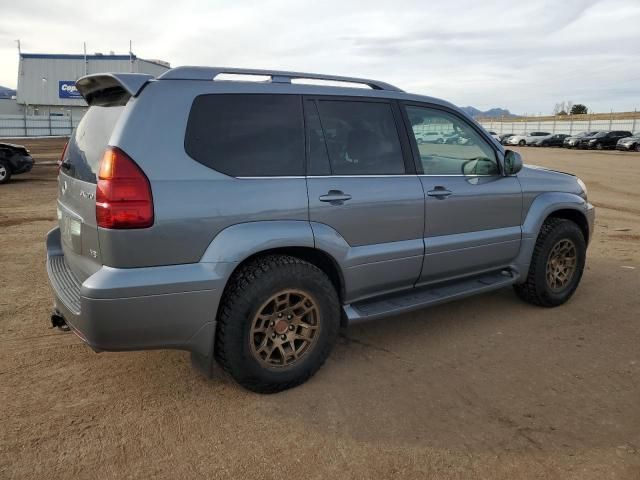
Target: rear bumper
139	308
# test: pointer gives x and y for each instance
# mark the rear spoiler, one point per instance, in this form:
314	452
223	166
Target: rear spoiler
111	89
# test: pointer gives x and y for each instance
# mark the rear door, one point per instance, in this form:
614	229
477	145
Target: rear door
77	189
473	212
362	186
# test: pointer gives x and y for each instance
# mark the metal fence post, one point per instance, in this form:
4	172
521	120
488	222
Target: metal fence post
26	132
50	131
635	114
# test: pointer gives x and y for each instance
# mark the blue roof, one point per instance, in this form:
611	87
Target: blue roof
63	56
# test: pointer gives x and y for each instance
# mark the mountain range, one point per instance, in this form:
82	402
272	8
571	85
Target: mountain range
491	113
6	92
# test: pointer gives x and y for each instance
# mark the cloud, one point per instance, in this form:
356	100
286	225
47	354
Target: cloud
525	56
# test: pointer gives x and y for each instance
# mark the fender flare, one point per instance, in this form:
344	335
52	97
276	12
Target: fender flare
240	241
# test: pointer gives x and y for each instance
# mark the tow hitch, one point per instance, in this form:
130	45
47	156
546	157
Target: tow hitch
57	321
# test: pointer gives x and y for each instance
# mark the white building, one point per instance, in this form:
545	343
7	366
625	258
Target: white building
46	82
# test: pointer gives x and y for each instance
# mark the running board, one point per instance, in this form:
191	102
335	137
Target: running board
421	297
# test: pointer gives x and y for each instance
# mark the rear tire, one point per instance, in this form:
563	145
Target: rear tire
546	285
5	172
261	307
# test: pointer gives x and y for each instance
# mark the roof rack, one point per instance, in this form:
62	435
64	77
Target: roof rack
210	73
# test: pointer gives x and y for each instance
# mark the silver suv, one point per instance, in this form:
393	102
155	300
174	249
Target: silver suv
247	221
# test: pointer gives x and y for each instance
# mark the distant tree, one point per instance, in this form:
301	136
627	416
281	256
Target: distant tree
563	107
579	109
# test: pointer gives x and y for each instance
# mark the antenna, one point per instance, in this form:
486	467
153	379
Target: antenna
19	50
130	56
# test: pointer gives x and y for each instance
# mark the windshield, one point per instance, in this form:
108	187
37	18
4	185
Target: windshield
600	134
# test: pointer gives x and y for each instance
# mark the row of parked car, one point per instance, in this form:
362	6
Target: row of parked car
598	140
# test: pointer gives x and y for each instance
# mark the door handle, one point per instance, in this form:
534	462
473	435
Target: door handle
439	192
335	197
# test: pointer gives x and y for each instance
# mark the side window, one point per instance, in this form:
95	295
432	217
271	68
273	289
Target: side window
456	149
361	137
316	146
247	134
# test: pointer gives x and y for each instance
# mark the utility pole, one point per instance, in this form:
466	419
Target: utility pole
86	63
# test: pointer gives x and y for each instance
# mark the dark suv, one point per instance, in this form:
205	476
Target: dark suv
246	221
603	140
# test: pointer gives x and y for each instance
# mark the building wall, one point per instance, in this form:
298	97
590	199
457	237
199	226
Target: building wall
9	106
39	77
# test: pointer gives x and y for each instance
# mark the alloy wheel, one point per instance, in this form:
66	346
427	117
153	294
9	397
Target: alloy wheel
561	264
285	328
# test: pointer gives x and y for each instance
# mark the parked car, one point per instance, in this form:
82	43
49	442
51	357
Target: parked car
494	135
245	222
553	141
14	160
429	137
603	140
629	143
522	140
573	140
504	137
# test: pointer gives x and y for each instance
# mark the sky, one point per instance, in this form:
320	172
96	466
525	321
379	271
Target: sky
523	56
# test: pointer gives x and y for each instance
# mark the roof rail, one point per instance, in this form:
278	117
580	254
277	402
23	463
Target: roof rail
210	73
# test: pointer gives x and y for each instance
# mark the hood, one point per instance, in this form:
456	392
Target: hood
14	146
543	170
632	137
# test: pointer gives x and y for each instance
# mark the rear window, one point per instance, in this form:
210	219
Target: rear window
88	142
247	135
361	137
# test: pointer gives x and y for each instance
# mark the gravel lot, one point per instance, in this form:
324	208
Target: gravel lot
488	387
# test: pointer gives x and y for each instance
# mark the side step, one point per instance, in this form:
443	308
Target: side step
421	297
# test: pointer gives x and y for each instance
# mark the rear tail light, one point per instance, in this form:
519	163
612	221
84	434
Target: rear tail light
123	193
64	152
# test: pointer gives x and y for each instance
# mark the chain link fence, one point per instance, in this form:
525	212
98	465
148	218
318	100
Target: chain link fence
37	125
570	124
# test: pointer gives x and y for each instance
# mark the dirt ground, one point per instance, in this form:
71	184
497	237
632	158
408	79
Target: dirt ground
488	387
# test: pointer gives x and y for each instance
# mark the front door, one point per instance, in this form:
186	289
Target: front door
473	212
366	206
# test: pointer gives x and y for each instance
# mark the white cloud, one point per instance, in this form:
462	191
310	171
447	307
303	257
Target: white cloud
525	56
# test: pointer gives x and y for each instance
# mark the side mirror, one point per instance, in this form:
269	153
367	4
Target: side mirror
512	162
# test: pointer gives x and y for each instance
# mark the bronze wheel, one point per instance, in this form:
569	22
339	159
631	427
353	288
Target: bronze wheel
285	328
561	264
556	265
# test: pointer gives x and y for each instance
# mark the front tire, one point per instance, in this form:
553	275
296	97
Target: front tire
5	172
556	265
637	147
279	319
522	143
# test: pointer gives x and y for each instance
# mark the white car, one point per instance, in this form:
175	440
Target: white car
527	138
494	135
429	137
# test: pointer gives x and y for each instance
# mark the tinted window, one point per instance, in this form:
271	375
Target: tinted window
247	135
361	138
316	147
88	142
459	149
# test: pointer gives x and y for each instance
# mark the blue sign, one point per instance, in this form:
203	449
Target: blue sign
68	89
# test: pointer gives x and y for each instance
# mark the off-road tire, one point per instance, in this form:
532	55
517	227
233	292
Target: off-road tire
535	289
249	288
7	169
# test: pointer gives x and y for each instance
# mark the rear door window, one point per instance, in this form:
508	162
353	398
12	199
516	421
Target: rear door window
247	135
361	137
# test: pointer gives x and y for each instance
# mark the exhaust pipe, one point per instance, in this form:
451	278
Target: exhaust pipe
57	321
